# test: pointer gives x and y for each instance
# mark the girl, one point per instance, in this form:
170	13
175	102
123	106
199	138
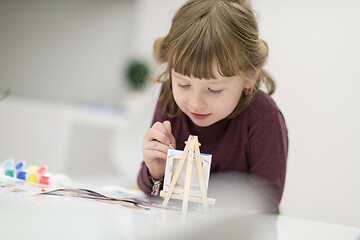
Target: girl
211	88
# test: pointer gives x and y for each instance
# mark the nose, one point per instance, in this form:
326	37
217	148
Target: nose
197	101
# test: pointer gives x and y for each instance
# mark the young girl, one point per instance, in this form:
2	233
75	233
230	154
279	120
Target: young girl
211	89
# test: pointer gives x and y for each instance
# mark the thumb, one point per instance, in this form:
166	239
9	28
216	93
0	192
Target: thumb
167	126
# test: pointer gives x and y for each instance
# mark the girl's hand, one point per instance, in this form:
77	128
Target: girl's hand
155	146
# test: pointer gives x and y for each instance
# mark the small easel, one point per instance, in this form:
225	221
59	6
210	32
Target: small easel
191	147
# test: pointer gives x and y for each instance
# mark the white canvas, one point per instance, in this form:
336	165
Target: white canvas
173	159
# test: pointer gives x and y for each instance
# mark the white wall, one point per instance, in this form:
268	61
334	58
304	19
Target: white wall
152	20
314	50
65	50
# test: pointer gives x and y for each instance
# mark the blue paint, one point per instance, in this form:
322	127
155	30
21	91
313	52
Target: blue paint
21	175
19	166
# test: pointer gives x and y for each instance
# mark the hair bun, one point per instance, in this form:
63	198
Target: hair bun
264	50
158	50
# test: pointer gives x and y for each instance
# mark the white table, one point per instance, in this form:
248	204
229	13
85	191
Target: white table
51	217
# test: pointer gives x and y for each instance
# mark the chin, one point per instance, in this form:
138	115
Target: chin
202	123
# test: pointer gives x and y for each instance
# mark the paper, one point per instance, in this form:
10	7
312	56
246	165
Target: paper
89	194
19	188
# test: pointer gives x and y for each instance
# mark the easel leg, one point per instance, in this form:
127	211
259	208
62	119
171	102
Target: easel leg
176	175
201	178
188	175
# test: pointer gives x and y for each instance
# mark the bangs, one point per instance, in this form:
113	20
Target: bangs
201	45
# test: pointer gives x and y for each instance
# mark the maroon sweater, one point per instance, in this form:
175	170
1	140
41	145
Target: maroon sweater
254	142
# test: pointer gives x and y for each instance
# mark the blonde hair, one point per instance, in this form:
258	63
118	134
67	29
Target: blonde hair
204	32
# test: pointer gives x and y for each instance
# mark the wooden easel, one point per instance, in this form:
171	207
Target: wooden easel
191	148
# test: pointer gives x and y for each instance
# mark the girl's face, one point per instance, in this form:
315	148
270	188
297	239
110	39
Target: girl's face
206	102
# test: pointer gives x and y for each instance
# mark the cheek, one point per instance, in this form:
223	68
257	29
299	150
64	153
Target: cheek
178	96
227	104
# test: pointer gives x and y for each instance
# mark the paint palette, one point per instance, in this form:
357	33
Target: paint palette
17	172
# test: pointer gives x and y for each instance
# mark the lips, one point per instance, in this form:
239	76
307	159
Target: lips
200	116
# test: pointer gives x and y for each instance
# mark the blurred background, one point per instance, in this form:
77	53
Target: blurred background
70	98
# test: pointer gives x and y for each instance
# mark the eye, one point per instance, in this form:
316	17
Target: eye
217	91
183	85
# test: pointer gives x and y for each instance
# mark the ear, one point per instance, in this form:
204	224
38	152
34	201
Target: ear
255	76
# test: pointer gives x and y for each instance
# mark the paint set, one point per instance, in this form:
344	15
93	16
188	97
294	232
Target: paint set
17	171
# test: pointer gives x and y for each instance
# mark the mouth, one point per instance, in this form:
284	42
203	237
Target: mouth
199	116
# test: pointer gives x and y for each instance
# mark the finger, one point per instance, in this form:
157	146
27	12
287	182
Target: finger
153	134
156	146
160	133
167	126
173	141
153	154
160	126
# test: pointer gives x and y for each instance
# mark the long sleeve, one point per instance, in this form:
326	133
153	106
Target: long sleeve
268	148
143	180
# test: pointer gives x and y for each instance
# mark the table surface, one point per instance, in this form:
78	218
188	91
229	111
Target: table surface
54	217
